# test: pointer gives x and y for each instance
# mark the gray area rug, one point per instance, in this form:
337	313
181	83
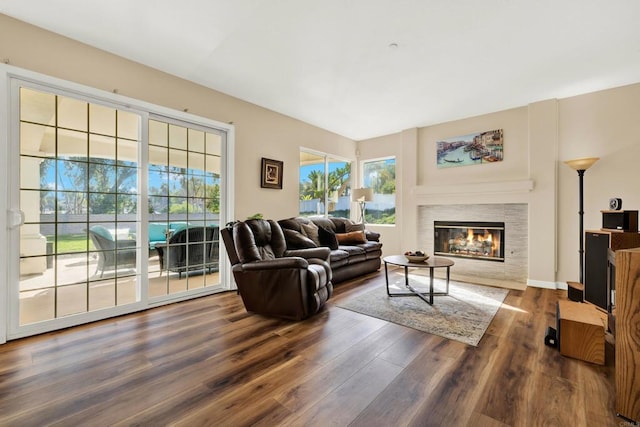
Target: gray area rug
464	315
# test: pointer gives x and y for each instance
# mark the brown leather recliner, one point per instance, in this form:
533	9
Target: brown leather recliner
271	280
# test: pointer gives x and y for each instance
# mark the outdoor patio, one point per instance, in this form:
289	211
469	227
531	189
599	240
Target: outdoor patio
80	287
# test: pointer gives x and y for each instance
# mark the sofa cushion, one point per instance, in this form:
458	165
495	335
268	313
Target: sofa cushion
353	227
338	258
370	246
374	254
324	222
352	250
311	231
291	224
327	238
353	237
297	240
340	224
356	253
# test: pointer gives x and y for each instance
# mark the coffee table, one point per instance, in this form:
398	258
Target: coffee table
431	263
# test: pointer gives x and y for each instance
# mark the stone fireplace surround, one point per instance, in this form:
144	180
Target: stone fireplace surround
505	201
514	271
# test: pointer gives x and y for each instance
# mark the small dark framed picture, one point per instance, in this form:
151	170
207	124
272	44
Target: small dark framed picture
271	174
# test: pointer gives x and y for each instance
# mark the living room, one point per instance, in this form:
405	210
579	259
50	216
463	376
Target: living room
539	136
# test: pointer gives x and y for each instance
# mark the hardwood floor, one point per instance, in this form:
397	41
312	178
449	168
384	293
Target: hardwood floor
208	362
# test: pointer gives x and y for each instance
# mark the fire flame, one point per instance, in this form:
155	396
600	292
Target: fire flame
487	237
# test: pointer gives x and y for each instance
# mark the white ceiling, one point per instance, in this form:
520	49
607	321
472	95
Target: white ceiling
329	62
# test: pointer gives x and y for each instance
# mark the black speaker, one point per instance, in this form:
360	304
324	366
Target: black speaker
575	291
620	220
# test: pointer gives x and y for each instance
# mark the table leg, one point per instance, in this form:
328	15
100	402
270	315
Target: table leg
415	292
406	277
448	269
431	286
424	296
386	277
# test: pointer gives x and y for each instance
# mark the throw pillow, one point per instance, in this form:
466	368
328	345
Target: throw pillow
328	238
351	238
311	230
353	227
296	240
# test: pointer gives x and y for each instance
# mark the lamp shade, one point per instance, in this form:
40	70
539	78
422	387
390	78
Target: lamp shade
362	194
583	163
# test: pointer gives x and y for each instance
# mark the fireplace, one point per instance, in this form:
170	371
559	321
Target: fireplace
469	239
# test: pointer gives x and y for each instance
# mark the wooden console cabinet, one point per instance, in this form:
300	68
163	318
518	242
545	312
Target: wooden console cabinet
627	369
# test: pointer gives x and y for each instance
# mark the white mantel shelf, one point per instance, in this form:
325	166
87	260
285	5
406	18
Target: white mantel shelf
482	192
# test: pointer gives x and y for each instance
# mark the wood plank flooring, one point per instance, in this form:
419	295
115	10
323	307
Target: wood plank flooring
207	362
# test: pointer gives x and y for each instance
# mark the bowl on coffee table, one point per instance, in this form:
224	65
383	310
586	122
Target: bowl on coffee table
416	256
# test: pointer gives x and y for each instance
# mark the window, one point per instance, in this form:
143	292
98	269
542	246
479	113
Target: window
324	185
380	175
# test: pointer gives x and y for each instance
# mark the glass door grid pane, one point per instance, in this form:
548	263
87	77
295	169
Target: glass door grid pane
184	208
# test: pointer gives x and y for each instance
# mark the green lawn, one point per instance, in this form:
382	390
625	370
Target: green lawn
71	243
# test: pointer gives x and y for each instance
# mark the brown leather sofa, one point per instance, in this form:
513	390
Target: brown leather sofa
272	280
354	250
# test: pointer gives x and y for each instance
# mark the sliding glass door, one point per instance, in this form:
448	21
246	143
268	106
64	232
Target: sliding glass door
184	207
113	209
79	169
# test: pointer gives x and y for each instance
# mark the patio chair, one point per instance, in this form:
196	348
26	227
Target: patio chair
112	254
190	249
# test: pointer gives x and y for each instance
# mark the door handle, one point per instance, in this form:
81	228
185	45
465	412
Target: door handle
16	218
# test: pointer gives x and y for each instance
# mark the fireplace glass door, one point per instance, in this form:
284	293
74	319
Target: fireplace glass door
469	239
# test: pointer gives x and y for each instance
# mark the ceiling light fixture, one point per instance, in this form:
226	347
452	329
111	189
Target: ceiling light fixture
393	45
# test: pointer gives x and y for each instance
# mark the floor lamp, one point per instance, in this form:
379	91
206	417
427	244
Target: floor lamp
362	196
581	165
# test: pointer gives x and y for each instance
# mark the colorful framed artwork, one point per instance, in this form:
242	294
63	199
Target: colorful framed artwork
471	149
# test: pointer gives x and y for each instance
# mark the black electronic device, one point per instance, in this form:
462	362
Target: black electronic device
620	220
615	203
551	338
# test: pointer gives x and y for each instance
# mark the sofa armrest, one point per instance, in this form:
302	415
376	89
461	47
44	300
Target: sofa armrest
325	265
320	252
275	264
372	235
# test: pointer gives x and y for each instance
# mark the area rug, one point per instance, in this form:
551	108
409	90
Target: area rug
464	315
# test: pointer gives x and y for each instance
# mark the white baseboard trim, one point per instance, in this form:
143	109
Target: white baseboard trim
547	285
